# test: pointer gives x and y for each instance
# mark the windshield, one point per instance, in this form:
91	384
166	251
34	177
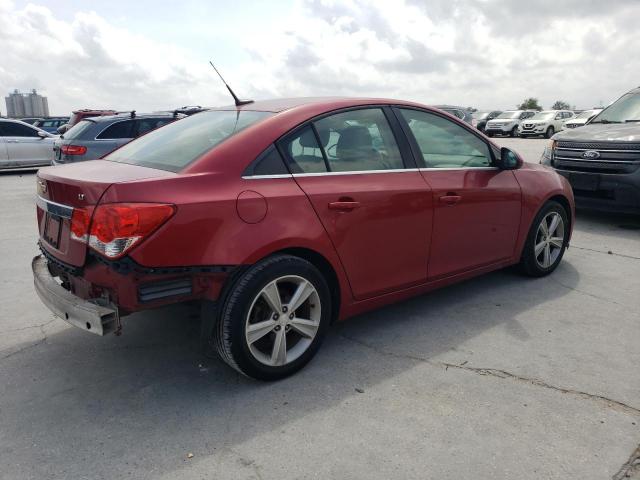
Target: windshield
178	144
543	116
77	129
481	115
514	114
586	114
625	109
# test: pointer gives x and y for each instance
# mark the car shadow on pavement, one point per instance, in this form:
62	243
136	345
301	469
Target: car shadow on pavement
146	398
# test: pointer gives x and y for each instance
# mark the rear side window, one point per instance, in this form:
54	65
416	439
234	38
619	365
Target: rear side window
268	163
147	124
123	129
180	143
11	129
445	144
304	152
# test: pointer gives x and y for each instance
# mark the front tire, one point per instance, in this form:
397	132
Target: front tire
514	132
547	240
274	318
550	132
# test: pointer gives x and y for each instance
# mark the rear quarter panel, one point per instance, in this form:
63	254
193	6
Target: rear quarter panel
207	230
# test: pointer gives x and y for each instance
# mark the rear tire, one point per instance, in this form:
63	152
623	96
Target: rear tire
514	132
263	330
546	242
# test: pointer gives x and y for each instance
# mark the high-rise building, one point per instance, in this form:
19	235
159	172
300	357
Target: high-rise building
21	105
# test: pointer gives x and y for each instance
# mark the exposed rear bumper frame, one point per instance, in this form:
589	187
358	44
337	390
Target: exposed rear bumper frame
96	316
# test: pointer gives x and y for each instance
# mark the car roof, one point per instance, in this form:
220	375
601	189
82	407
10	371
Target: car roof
314	103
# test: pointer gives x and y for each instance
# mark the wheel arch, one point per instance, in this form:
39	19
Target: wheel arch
328	272
564	201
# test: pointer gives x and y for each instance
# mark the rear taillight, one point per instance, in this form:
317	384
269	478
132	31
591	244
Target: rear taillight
80	223
116	227
73	149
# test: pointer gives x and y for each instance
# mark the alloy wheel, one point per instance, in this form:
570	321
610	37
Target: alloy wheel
283	320
549	239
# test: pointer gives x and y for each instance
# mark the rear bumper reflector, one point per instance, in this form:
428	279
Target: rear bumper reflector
94	316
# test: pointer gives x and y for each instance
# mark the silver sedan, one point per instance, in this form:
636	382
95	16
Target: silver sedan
23	145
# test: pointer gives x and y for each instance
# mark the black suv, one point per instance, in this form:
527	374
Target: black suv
602	159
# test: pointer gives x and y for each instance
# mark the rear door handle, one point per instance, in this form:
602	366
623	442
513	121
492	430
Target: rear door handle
450	199
345	206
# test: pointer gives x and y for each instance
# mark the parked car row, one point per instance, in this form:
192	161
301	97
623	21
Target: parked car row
94	133
581	118
94	137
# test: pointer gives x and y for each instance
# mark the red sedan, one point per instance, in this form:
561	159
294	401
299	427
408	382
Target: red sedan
288	215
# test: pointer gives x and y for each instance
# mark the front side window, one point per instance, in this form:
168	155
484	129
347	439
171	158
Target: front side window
445	144
359	140
11	129
180	143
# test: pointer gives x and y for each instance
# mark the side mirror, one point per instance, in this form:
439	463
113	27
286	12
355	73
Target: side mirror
42	134
509	160
63	128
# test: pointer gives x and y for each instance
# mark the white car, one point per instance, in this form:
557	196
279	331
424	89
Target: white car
23	145
545	123
507	122
581	119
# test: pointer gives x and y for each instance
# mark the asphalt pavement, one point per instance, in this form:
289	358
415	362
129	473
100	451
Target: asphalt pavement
499	377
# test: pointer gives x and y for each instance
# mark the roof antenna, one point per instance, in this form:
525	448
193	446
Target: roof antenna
235	98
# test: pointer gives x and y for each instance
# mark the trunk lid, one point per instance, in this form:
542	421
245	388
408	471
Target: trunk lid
64	188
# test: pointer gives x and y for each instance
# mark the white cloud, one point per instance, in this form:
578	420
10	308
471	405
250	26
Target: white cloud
485	54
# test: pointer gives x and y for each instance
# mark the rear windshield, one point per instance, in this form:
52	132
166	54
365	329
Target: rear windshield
77	129
175	146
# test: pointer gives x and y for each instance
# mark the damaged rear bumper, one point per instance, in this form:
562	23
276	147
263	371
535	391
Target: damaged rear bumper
95	316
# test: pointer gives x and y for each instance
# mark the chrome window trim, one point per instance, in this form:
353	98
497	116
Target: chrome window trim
266	177
436	169
57	209
362	172
355	172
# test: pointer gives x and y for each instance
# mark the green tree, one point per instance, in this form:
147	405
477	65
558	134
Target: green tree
561	105
529	104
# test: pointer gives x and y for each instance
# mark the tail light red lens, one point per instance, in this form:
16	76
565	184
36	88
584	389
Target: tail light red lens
116	227
73	149
80	223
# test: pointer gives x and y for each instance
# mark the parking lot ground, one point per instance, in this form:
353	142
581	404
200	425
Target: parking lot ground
498	377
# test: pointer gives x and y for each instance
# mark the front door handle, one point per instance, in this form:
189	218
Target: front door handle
450	199
345	206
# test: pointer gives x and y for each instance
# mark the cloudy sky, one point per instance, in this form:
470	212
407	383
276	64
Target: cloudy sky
152	54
